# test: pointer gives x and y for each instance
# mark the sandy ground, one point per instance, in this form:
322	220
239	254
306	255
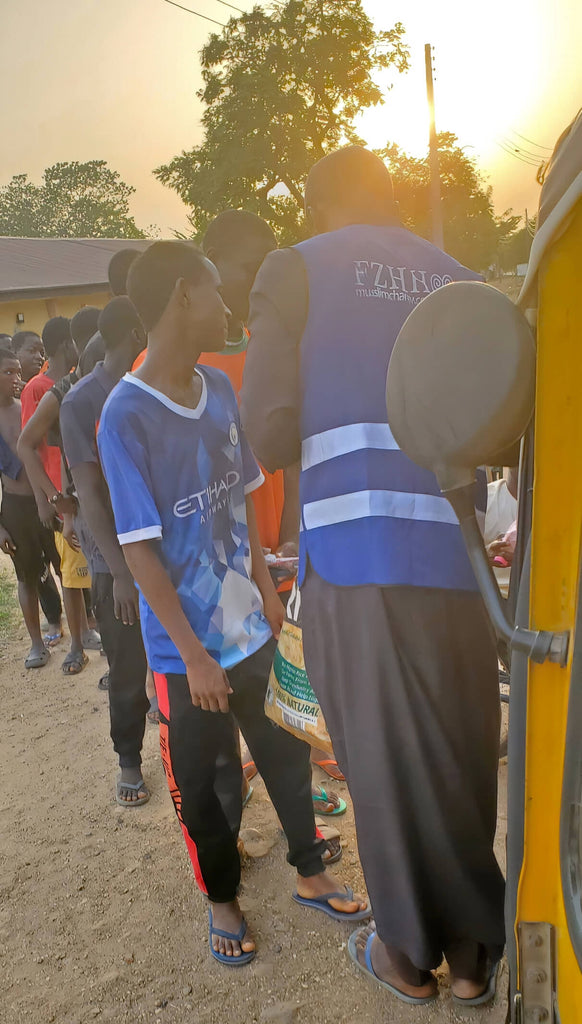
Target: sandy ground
99	915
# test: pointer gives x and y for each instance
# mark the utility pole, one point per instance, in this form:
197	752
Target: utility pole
435	179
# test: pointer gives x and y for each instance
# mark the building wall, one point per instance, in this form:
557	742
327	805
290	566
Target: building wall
36	312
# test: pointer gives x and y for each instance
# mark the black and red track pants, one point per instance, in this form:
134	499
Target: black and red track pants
193	742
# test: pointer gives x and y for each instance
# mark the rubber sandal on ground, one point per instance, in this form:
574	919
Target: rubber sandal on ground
74	663
38	660
229	961
327	765
92	641
52	639
332	840
250	770
369	971
248	796
488	995
322	903
135	787
324	798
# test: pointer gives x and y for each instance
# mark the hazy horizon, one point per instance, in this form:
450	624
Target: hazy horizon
117	80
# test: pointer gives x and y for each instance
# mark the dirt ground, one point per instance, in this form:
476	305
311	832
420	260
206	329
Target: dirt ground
99	915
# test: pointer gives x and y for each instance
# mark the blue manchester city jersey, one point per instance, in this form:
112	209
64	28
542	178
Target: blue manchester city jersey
179	477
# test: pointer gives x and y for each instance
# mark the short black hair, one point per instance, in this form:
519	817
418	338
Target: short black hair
118	270
152	277
352	177
117	321
6	353
94	353
232	230
84	326
21	337
56	332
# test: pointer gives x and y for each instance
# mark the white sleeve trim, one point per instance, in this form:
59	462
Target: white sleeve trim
255	484
146	533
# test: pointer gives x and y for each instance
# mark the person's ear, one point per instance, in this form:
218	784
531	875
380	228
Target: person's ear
312	220
182	293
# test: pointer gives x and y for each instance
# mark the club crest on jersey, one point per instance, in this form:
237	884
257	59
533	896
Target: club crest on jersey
233	434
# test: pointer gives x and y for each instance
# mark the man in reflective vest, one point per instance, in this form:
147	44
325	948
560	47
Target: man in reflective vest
397	644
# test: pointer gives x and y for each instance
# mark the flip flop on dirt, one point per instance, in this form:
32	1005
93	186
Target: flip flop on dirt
250	770
74	663
229	961
37	659
328	803
133	787
330	767
367	968
323	903
52	639
489	991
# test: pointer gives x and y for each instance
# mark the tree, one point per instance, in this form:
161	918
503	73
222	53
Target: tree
75	200
281	89
516	248
472	232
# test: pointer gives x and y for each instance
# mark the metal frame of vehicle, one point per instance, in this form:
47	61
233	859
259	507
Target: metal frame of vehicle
544	844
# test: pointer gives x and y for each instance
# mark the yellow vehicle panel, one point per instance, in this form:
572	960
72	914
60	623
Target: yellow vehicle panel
556	543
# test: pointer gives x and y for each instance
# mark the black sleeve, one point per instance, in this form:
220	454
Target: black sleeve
270	396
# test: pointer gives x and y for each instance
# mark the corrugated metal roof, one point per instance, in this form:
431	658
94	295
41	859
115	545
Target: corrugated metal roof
37	267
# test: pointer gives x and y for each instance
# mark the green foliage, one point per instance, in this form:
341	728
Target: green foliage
281	89
75	200
515	249
472	232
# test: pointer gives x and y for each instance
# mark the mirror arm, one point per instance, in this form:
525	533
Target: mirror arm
539	645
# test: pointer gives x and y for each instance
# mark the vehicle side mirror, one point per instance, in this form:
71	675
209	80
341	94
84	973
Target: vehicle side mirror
460	390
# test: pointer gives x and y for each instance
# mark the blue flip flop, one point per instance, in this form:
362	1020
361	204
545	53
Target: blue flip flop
229	961
488	995
322	903
369	971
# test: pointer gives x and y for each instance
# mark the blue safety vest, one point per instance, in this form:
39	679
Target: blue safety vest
368	514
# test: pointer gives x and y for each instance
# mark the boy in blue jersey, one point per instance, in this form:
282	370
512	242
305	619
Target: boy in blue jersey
180	474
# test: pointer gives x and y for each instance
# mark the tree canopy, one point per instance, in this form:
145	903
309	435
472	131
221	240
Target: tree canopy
472	231
281	89
75	200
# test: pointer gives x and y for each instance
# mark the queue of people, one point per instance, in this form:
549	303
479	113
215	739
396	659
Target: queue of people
143	456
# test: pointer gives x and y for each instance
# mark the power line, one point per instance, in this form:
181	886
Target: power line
232	7
197	13
516	156
522	160
521	149
549	149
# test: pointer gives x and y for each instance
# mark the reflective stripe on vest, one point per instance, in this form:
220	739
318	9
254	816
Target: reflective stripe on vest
341	440
343	508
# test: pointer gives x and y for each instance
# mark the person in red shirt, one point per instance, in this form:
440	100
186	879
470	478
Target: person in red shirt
42	462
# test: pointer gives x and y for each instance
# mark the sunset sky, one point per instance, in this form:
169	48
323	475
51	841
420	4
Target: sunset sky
116	80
